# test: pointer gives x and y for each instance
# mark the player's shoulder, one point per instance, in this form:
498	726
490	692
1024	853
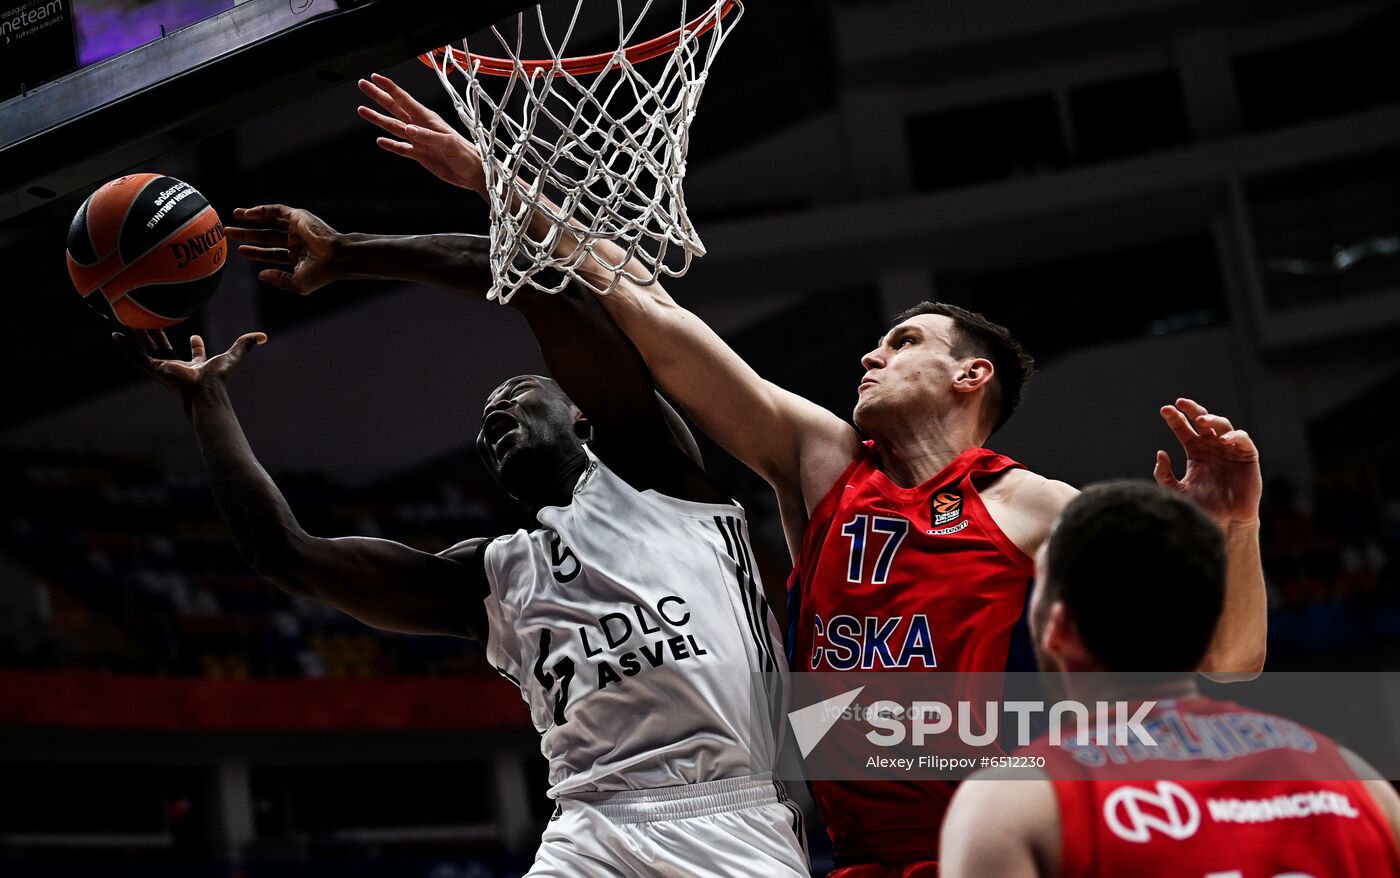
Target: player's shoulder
1025	505
1002	821
1382	792
1031	492
826	447
477	548
466	550
471	555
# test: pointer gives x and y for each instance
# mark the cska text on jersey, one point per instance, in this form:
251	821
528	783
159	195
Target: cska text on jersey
846	643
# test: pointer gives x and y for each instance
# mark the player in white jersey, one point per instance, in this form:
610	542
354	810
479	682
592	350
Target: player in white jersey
632	620
625	621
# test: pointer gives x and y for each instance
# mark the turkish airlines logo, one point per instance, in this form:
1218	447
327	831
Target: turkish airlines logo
947	506
1134	813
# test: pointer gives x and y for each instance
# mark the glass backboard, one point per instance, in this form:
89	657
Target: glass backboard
162	75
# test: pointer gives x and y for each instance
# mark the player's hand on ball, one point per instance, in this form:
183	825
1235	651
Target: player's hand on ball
1222	464
424	136
292	237
185	377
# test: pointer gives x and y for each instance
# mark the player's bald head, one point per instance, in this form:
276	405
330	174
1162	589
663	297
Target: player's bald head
545	384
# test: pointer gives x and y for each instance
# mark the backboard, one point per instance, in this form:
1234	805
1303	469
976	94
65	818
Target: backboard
194	82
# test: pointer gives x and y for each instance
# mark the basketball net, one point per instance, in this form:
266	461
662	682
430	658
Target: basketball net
596	145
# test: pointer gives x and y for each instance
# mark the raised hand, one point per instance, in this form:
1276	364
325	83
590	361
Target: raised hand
1222	464
289	236
185	377
424	136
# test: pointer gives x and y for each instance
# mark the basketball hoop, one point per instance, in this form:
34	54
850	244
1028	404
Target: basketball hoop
595	144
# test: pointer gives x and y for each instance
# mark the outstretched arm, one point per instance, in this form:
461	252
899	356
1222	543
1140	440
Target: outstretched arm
635	431
1222	475
798	447
381	583
310	254
793	443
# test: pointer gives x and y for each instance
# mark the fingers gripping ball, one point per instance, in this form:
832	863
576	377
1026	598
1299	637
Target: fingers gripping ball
146	250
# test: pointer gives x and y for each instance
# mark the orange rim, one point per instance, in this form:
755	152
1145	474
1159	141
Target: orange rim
584	65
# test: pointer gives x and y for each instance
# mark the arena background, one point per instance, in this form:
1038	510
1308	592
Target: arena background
1159	197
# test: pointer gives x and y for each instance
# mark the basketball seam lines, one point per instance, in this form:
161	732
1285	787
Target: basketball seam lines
117	251
172	283
126	214
87	233
141	256
139	305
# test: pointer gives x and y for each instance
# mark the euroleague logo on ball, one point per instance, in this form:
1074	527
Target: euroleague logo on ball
191	249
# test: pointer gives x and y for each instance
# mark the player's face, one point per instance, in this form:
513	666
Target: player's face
911	370
526	415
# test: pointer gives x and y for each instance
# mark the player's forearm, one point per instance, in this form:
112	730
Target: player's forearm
455	262
606	257
264	529
1241	637
744	414
660	329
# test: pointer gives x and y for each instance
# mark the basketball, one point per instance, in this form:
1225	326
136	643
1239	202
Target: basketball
146	250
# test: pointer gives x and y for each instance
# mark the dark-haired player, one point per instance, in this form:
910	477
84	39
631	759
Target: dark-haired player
1132	579
632	619
912	542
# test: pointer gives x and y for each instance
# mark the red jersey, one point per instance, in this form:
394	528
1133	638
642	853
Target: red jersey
902	579
1217	816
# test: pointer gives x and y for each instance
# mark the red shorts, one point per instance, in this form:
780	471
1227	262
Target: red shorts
917	869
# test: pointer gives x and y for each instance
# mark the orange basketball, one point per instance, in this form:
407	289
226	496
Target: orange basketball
146	250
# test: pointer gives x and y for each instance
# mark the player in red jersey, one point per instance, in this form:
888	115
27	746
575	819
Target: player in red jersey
912	549
1132	578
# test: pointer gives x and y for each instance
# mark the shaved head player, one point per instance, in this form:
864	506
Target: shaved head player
632	619
912	542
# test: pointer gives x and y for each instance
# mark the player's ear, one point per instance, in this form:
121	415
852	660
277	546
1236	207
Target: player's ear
973	374
583	428
1061	638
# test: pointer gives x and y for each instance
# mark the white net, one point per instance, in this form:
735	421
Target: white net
588	150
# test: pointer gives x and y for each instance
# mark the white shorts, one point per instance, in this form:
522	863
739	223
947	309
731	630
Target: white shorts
738	827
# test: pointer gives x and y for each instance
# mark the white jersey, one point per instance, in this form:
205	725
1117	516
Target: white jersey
636	628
